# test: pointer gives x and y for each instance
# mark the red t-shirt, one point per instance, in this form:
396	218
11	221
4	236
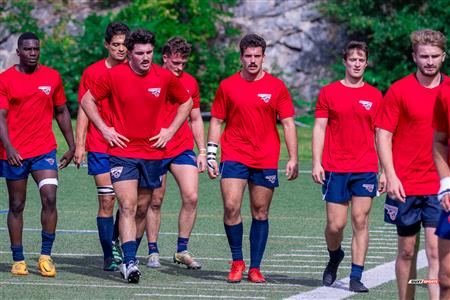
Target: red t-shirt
349	138
30	100
94	139
250	110
136	104
183	139
407	112
441	117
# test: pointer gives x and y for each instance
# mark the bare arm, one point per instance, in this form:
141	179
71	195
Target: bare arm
13	157
80	137
318	140
440	157
290	135
198	131
62	117
215	128
394	187
166	134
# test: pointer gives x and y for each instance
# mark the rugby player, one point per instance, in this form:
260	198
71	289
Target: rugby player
249	103
30	93
345	162
136	92
404	137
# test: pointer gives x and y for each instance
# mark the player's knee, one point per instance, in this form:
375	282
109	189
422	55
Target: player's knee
106	206
127	210
16	207
231	210
260	214
406	253
141	212
335	226
360	223
156	202
444	278
190	199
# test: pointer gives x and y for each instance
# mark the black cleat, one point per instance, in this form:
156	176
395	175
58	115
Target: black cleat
330	273
357	286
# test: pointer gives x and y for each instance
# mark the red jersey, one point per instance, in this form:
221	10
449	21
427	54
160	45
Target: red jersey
94	139
441	116
183	139
250	110
349	137
136	104
30	100
407	112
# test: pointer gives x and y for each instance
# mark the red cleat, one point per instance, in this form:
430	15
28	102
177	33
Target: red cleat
255	276
237	268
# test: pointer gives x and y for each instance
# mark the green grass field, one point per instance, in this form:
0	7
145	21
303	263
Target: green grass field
293	262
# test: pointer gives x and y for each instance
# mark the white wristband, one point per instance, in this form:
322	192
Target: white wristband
444	189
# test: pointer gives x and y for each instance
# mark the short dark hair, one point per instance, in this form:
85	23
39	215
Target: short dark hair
177	45
252	40
355	45
26	36
139	36
115	28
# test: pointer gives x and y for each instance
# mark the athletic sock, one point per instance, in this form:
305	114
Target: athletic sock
357	271
259	231
138	243
47	242
115	236
129	252
234	236
153	248
182	244
17	253
105	231
336	255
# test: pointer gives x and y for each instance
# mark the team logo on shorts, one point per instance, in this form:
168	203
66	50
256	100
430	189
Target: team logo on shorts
391	211
50	161
45	88
367	104
116	171
155	91
271	178
368	187
265	97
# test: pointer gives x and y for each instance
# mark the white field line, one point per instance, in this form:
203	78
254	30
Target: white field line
311	255
196	296
371	278
266	267
370	246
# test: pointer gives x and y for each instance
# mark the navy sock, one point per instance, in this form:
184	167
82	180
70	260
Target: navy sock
129	251
182	244
259	231
153	248
336	255
47	243
115	236
356	272
234	236
138	243
105	231
17	253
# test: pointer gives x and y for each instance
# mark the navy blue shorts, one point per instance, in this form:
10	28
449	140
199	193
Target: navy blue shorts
98	163
185	158
443	228
415	210
146	171
1	168
41	162
340	187
263	177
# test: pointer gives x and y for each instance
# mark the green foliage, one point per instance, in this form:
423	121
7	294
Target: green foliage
386	26
199	21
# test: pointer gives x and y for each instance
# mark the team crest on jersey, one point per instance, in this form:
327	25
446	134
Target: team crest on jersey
271	178
50	161
45	88
265	97
368	187
116	171
366	104
391	211
155	91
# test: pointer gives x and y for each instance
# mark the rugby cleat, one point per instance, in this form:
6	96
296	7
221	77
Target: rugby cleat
46	266
19	268
237	269
153	260
117	252
110	265
130	272
357	286
186	258
255	276
330	272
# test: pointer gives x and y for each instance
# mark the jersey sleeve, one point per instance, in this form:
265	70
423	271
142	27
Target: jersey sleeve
389	112
196	95
177	92
59	97
440	115
285	107
4	103
84	86
322	107
101	88
378	99
219	106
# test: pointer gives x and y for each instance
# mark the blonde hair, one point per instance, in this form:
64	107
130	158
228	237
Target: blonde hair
428	37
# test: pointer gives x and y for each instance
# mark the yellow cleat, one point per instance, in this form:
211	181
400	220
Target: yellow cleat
19	268
46	266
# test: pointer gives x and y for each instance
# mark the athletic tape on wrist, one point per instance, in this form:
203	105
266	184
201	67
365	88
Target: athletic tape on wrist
444	188
211	154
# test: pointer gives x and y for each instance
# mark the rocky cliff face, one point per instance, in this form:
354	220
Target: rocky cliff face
301	42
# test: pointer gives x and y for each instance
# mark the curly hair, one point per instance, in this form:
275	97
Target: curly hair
252	40
177	45
139	36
